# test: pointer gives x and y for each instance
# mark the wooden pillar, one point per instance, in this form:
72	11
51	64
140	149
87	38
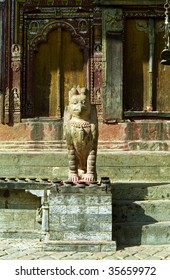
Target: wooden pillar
59	46
112	64
1	21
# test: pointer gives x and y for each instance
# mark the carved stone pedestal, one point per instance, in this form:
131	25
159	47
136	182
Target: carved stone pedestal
80	219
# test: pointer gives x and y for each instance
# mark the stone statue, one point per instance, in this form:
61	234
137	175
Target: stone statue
81	134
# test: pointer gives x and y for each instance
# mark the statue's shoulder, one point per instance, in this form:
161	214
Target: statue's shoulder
66	121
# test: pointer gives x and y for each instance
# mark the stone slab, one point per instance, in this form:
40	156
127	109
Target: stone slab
127	166
132	234
140	191
80	246
142	211
14	234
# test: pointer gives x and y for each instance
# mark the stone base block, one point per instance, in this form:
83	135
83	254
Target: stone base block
79	246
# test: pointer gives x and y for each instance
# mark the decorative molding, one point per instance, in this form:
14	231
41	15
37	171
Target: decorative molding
51	25
51	3
16	66
6	106
36	19
155	13
160	26
15	99
142	25
132	2
15	90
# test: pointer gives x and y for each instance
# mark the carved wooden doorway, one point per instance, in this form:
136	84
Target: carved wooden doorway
58	66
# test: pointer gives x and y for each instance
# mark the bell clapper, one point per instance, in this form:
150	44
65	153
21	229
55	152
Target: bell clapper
165	54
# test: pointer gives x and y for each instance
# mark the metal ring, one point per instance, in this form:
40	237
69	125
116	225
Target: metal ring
167	5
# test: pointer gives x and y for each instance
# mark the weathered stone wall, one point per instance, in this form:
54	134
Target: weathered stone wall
141	213
18	212
127	136
80	219
80	216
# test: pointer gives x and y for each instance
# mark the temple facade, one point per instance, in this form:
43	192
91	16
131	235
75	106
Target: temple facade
111	47
119	51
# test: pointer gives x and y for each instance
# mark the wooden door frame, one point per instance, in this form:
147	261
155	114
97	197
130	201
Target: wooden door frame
69	13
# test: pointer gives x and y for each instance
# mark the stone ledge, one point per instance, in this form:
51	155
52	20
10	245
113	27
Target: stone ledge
80	246
20	234
142	233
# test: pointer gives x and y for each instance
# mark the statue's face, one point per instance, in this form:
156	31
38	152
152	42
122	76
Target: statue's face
79	105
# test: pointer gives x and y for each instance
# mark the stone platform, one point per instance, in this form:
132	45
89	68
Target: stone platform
80	218
26	249
72	216
79	246
119	166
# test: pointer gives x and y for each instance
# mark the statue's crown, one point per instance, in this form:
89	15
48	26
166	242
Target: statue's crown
77	91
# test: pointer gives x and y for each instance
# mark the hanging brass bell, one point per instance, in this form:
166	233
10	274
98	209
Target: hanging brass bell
165	56
165	62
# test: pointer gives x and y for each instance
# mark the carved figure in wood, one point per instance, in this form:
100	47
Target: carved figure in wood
81	134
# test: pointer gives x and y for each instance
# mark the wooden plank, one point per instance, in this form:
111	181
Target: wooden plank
132	2
162	74
153	114
112	95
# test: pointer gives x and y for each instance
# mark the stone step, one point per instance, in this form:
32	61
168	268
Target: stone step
79	246
20	234
28	146
150	211
129	234
140	191
119	166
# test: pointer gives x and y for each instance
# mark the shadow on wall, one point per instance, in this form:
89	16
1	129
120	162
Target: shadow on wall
18	214
137	208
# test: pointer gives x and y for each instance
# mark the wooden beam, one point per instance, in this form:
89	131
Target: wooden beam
132	2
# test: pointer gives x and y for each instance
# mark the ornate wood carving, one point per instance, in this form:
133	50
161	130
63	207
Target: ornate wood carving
15	91
6	106
30	25
113	19
79	23
1	64
39	3
96	94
